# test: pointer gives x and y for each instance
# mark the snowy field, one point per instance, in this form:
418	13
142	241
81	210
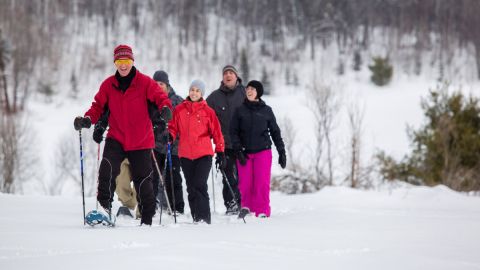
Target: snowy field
336	228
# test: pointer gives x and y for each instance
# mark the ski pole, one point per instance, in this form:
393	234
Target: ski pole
81	173
231	191
169	152
163	183
97	174
213	191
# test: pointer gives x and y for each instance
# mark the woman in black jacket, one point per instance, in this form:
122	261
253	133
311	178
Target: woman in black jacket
252	126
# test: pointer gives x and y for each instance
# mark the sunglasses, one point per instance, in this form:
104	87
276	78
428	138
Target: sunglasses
123	62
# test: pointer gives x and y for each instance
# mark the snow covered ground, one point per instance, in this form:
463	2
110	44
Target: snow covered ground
336	228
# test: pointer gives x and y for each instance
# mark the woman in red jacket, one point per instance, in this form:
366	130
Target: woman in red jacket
194	123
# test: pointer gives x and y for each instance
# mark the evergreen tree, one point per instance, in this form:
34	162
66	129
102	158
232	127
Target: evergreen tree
357	61
266	82
382	71
446	150
5	53
244	65
288	76
74	83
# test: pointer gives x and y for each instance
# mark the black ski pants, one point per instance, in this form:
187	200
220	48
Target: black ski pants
231	173
196	176
141	169
177	182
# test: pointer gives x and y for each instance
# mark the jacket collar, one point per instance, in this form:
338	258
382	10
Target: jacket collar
123	83
227	90
254	105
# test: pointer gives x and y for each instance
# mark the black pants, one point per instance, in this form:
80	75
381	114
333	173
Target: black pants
141	169
196	176
177	182
231	172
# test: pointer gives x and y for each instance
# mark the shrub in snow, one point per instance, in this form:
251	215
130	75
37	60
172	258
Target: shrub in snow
382	71
446	150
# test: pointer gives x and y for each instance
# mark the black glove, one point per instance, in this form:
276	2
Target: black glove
242	158
221	161
98	133
282	158
82	122
166	113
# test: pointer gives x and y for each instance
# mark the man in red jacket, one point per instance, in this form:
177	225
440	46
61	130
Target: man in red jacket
126	94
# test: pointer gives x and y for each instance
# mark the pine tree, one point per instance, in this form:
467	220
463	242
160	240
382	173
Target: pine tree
74	83
244	65
266	81
382	71
4	59
288	75
446	149
357	61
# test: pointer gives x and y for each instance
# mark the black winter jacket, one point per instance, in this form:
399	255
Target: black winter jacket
224	102
253	124
159	146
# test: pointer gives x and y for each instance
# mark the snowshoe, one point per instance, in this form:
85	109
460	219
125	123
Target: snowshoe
95	217
124	212
232	209
244	212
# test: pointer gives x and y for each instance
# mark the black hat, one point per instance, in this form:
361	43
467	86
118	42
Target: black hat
161	76
258	86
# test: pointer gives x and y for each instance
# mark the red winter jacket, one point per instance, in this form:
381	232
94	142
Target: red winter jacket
195	123
129	120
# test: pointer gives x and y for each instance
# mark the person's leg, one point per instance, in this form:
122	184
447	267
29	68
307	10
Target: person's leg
141	167
126	194
245	181
160	194
177	184
188	169
113	155
262	172
202	200
231	173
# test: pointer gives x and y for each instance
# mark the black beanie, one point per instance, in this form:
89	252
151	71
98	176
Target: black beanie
161	76
258	86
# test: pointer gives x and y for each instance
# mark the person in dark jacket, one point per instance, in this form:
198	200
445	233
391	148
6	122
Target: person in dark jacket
130	134
224	101
252	125
195	124
161	77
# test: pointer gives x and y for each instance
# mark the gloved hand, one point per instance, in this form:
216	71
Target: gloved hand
98	133
221	161
82	122
282	158
242	158
166	113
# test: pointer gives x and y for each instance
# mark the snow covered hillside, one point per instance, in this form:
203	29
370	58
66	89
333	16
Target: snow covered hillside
336	228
